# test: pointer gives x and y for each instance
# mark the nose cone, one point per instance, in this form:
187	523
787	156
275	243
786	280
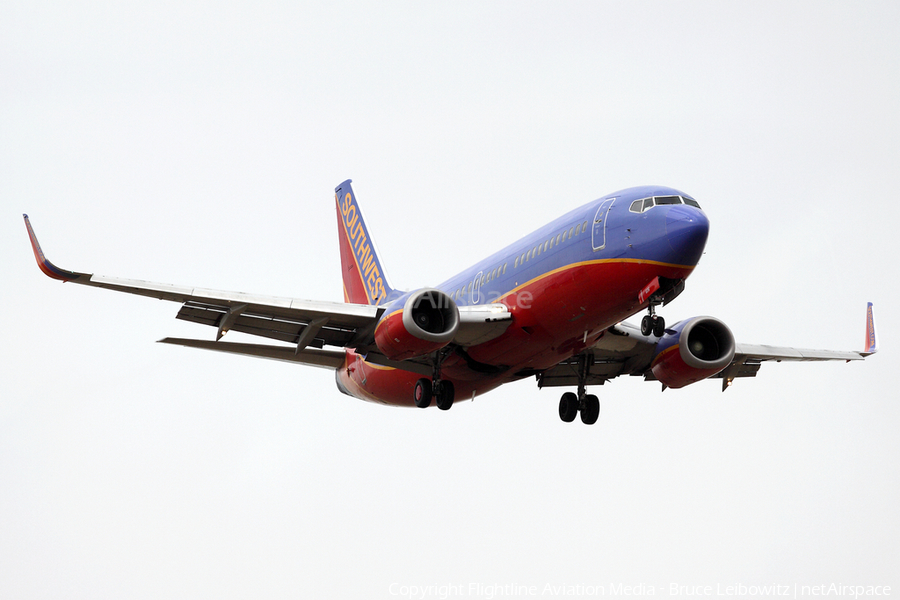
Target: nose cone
686	229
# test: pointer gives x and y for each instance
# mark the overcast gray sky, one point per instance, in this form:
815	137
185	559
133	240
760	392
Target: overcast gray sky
200	143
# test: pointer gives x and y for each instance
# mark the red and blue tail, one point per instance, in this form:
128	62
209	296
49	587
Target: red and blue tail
365	281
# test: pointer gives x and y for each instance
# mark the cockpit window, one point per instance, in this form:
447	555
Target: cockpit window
646	204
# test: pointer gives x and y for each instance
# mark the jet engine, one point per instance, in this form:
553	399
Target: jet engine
692	350
417	324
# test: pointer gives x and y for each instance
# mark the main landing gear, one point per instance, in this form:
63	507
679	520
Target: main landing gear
587	404
653	323
442	391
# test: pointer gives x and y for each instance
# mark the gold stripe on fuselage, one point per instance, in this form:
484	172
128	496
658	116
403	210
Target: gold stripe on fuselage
590	262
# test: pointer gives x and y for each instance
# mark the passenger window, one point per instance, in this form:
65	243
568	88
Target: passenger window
516	262
504	267
559	238
584	226
546	245
571	230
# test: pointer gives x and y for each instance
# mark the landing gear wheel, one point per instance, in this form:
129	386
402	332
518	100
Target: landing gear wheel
659	326
591	409
646	325
422	394
568	407
444	395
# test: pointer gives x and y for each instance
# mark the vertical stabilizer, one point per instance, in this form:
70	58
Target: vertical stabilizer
364	279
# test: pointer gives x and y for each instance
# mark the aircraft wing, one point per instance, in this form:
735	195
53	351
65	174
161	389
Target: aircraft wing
624	350
308	325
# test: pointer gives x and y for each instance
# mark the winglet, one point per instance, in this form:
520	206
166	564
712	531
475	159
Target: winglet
49	269
871	346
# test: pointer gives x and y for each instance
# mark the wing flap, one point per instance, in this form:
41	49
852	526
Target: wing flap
264	325
328	359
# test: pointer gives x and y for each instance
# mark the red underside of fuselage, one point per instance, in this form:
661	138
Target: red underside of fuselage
555	316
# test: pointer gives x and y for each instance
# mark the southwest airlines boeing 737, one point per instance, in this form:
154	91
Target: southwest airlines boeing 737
549	306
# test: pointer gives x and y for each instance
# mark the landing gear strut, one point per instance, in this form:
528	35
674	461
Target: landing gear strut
587	404
653	323
442	391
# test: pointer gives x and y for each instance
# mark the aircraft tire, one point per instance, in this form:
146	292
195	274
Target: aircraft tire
659	326
422	393
568	407
646	325
591	411
444	395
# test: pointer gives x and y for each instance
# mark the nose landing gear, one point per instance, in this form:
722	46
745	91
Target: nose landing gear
653	323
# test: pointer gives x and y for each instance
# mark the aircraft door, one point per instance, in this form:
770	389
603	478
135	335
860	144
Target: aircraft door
598	233
476	288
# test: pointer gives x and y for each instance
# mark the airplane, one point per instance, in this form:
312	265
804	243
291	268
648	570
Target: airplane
551	305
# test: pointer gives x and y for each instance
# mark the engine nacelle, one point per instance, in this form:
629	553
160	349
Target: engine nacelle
417	324
693	350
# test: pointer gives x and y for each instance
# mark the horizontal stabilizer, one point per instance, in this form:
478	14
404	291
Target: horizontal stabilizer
329	359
